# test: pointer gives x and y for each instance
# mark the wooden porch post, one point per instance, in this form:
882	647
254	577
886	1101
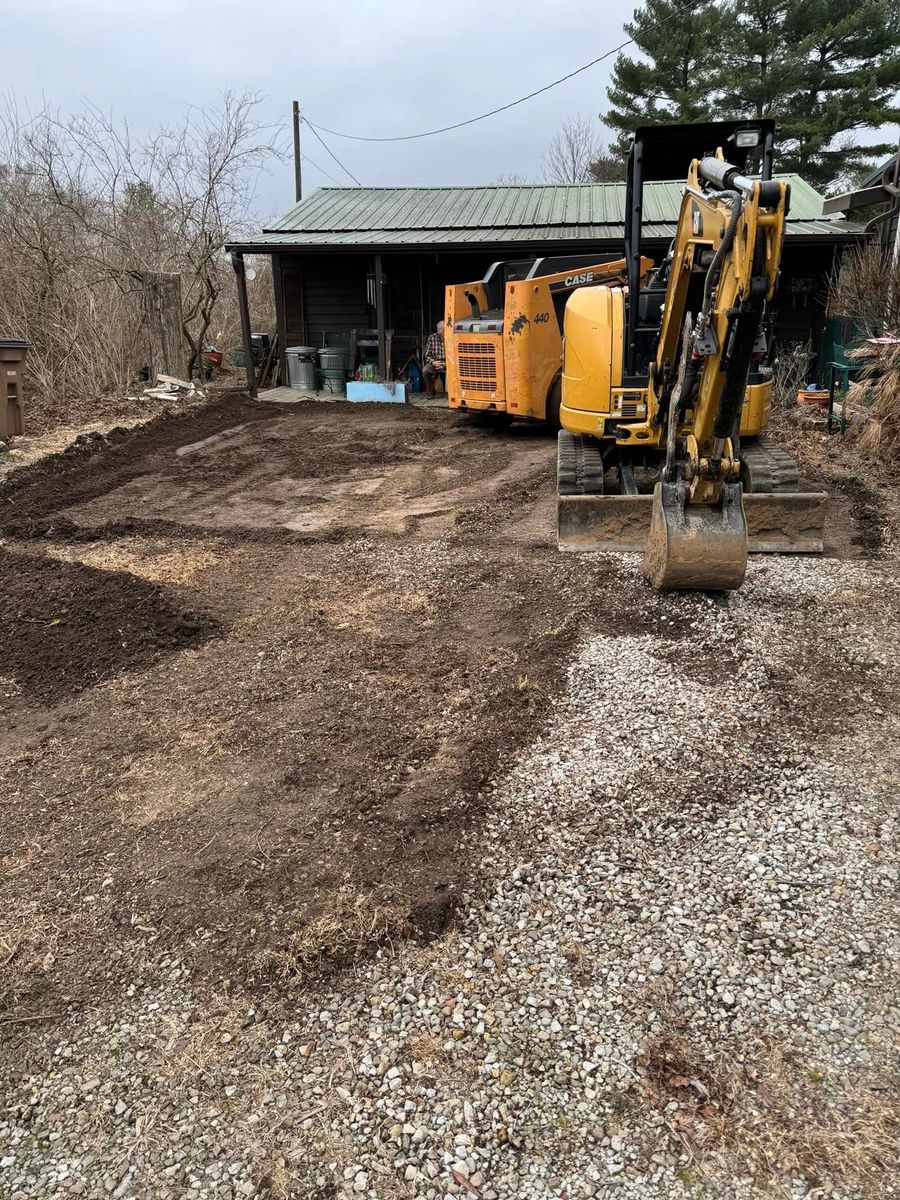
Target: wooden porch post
280	321
237	261
379	318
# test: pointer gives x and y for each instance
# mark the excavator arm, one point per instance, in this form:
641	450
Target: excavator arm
723	271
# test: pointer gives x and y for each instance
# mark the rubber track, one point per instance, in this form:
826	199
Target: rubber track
768	468
579	466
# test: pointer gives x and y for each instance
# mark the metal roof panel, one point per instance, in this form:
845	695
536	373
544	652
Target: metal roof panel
416	209
610	235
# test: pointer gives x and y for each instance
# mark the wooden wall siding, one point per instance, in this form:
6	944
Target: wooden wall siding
324	296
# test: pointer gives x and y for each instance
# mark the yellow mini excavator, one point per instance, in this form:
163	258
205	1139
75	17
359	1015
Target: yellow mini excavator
666	388
503	333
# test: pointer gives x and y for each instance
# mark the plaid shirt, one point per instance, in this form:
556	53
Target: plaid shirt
434	348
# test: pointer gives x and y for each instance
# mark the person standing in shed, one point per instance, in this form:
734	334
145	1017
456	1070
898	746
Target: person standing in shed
435	363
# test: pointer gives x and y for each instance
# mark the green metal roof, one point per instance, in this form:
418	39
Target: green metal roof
460	216
876	175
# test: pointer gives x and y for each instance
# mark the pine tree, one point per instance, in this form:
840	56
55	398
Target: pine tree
850	75
682	41
824	69
760	64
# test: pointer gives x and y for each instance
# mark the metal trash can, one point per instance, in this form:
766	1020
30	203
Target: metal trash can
333	365
301	366
12	369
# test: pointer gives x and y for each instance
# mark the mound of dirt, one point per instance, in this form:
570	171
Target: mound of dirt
65	626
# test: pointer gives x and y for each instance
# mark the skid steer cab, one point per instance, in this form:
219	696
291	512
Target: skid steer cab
503	333
666	387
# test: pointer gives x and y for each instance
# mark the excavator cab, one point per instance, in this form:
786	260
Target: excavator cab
670	382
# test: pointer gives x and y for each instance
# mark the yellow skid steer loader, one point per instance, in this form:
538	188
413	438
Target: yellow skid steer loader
503	333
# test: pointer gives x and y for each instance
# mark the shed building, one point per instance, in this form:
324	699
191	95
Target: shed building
371	264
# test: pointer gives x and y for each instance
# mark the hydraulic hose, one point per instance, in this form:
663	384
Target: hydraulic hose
712	275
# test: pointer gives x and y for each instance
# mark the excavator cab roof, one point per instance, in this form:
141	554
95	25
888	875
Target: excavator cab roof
665	151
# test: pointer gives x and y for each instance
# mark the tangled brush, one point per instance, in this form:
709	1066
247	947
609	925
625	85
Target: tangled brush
874	399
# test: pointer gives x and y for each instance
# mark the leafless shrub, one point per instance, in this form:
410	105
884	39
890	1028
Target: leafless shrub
865	290
791	374
88	212
577	155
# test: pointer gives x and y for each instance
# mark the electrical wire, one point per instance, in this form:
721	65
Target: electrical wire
321	170
411	137
346	170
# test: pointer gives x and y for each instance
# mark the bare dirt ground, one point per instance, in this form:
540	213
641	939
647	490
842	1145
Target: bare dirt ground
327	781
258	664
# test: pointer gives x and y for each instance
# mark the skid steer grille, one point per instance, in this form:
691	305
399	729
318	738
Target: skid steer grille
477	367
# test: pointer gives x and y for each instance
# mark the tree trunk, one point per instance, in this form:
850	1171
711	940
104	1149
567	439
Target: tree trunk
162	308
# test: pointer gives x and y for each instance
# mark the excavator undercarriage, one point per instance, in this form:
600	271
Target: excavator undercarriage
780	518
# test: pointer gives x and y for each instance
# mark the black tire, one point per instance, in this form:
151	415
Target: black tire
553	405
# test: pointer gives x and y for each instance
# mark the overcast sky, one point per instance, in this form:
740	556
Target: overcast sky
357	66
363	67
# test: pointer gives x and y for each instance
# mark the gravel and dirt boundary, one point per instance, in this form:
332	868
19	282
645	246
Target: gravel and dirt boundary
357	843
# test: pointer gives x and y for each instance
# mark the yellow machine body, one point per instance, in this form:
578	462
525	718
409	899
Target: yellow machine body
508	360
592	391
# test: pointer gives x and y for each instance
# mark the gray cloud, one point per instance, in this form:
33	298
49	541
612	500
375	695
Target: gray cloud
359	66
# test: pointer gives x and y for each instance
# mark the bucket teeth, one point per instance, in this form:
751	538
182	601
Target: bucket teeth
699	547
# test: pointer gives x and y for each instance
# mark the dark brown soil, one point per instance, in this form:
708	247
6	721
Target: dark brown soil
391	619
65	626
292	646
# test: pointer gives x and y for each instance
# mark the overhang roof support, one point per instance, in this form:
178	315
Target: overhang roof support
383	365
237	261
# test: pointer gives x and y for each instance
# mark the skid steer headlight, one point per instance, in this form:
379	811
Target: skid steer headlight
746	138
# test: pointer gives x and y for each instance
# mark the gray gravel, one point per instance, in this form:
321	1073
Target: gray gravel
678	977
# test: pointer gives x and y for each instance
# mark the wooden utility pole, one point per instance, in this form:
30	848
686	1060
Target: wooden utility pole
162	308
298	172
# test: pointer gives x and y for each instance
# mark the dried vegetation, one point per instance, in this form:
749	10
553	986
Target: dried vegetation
775	1118
866	292
89	212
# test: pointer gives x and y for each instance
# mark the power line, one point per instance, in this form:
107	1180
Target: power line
331	152
321	170
411	137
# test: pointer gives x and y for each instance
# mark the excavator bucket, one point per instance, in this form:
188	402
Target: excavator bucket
701	547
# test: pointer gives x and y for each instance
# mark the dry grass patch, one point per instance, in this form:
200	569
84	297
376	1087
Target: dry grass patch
874	400
776	1117
350	926
149	558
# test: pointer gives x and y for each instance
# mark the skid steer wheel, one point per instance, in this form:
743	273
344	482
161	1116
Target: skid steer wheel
554	401
579	465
